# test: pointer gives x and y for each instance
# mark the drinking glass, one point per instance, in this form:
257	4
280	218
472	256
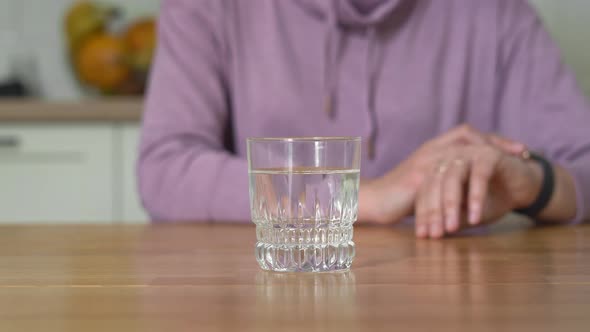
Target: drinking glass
304	201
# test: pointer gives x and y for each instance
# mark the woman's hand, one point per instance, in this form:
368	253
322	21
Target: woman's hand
468	185
392	197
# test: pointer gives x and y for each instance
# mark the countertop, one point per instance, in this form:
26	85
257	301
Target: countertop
87	110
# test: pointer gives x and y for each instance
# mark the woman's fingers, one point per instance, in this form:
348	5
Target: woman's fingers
468	135
453	193
421	219
435	211
507	145
483	165
421	222
464	134
430	218
457	186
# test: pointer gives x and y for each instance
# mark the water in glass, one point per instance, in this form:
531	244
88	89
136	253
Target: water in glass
304	217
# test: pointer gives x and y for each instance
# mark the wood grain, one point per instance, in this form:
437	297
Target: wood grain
116	109
204	278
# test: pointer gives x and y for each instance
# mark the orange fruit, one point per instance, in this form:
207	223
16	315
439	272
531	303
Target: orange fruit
101	62
140	39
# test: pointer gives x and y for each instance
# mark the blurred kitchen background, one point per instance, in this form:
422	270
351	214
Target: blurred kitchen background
72	75
40	42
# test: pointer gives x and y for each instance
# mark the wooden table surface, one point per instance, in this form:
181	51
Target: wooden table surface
205	278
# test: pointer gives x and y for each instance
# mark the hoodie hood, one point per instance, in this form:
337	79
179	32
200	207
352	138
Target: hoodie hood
362	14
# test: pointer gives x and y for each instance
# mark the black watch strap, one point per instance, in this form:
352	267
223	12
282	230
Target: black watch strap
547	188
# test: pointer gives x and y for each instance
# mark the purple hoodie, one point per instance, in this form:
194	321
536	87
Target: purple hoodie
395	72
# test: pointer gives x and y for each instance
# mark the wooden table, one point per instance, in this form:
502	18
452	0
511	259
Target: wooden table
205	278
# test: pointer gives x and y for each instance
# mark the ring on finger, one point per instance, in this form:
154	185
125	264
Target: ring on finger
442	167
459	162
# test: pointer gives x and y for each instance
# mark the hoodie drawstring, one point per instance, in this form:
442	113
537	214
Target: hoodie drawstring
331	72
331	62
371	77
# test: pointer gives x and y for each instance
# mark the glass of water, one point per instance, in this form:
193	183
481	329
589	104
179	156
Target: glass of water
304	201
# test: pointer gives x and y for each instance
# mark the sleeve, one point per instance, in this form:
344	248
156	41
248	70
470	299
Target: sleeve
184	172
540	102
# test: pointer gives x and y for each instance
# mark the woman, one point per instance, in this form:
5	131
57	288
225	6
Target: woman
406	75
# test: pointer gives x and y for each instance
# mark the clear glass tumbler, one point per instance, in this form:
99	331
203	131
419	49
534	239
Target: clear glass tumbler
304	201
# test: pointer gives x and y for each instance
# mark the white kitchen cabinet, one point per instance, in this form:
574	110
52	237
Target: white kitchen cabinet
56	173
131	208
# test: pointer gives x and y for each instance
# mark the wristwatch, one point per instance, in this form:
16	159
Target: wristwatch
547	186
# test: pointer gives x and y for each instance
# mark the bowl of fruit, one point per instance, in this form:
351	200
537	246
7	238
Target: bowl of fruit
109	54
